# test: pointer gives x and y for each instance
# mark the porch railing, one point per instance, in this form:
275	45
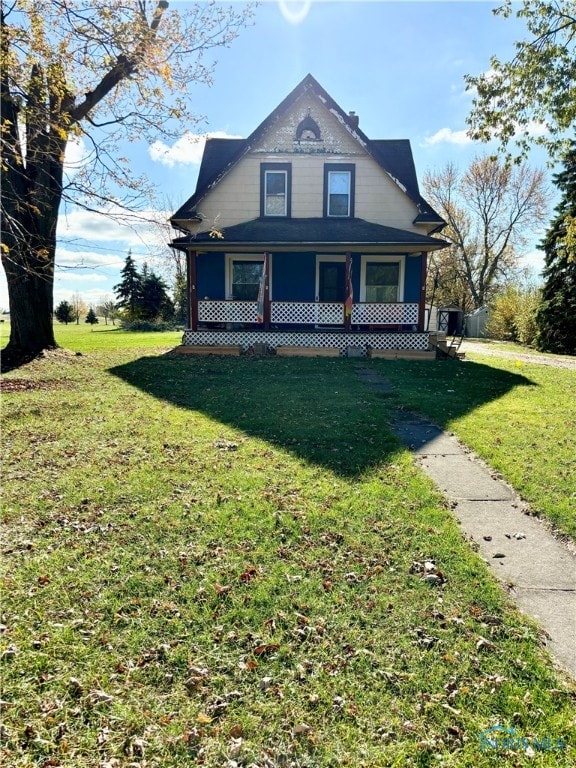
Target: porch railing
227	311
384	314
308	313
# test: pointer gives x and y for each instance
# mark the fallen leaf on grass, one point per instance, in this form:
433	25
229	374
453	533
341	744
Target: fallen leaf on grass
260	650
248	574
483	643
100	697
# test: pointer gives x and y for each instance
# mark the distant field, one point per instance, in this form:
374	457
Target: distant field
84	338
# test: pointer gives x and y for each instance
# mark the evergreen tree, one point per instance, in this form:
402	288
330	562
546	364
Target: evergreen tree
64	312
154	300
180	300
91	317
129	290
556	316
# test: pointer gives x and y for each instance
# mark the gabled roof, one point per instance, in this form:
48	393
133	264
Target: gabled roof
314	232
393	156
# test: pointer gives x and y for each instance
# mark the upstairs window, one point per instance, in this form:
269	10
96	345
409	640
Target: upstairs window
275	189
339	190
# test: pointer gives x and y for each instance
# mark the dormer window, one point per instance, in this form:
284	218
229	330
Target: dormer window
275	189
339	182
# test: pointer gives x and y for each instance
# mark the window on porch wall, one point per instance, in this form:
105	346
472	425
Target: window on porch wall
246	277
382	280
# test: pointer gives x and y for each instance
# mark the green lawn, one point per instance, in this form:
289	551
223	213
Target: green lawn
218	562
519	417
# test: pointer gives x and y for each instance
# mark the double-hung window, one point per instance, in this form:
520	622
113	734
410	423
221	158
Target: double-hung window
275	189
245	279
339	190
382	281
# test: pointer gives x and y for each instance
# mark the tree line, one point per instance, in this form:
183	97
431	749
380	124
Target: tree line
142	297
490	210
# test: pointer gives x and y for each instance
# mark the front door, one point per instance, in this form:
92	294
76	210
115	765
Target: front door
332	281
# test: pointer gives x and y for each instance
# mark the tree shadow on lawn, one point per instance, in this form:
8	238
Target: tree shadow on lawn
316	409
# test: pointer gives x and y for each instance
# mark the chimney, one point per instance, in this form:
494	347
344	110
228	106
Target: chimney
353	119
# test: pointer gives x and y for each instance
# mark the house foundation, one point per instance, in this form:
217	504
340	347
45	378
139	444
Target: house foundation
362	343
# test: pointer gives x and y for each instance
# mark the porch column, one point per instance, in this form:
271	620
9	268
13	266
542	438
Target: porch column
349	297
267	308
192	292
422	302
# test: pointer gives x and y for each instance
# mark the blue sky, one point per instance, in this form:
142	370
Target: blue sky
399	65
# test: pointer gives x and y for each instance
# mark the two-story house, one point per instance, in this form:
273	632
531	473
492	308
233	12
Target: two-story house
307	234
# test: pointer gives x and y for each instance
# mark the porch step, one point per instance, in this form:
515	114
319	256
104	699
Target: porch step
445	348
288	351
208	349
402	354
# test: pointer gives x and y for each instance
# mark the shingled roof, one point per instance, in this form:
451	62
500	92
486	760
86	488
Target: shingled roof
313	232
393	156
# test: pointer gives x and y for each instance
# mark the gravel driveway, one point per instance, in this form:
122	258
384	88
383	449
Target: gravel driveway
492	350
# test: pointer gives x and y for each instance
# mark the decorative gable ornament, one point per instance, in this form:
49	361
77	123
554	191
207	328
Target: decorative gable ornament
308	129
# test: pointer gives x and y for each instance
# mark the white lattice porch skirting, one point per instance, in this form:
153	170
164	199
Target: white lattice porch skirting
325	339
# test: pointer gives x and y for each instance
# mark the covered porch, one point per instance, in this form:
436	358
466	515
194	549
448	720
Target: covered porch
304	284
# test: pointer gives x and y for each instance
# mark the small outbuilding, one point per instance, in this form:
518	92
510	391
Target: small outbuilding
451	320
476	322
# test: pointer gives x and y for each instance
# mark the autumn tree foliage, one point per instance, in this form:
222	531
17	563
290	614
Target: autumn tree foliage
79	307
530	99
86	74
490	210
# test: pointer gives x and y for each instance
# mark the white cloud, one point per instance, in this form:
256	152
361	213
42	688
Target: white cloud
534	128
187	150
81	277
68	259
97	227
533	260
448	136
76	155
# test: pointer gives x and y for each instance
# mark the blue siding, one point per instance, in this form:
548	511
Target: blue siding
293	276
211	275
412	278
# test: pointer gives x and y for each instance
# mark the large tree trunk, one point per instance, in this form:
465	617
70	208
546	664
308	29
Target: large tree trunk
31	196
30	289
28	261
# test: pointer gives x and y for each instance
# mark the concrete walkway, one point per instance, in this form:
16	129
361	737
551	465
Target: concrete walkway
538	570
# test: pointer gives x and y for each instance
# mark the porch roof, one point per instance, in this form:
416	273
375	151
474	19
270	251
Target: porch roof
310	233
